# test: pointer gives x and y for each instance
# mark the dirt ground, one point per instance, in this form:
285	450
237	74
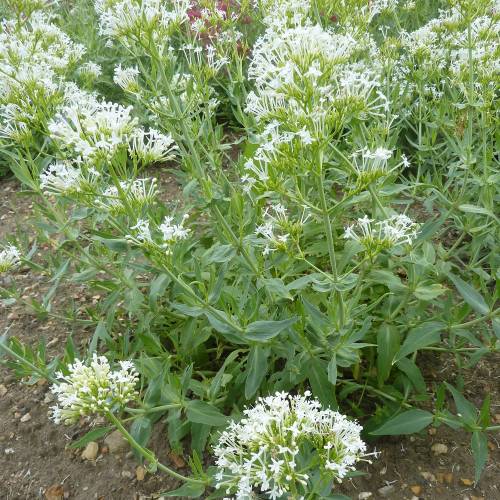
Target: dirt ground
35	461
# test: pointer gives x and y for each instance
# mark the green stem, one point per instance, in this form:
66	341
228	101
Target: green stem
148	454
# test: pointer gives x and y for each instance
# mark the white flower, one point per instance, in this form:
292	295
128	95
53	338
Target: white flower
126	78
9	258
91	70
259	453
63	178
173	232
392	232
93	129
93	390
134	194
370	165
151	146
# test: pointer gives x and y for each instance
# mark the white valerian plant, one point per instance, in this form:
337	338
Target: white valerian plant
280	443
377	236
128	195
169	234
64	178
93	389
151	146
10	257
93	129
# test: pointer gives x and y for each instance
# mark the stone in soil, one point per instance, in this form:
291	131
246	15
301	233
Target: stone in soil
116	443
385	491
90	451
439	449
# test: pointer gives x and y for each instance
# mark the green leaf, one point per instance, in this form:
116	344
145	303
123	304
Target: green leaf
332	370
260	331
466	409
388	344
429	292
421	336
470	295
141	430
202	412
317	373
474	209
479	445
93	435
188	490
256	369
411	370
407	422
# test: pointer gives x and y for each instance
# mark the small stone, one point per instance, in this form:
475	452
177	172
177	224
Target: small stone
472	497
466	482
385	491
439	449
104	450
364	495
177	460
25	418
140	473
383	471
91	450
3	390
116	443
432	431
497	418
491	446
416	489
54	492
127	474
428	476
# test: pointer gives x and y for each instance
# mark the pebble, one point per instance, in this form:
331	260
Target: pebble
385	491
416	489
25	418
428	476
364	495
444	477
140	473
91	450
3	390
466	482
54	492
116	443
127	474
439	449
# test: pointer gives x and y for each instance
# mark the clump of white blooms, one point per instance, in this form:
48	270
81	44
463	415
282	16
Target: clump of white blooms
371	165
394	231
131	20
10	258
64	178
127	78
94	130
273	229
35	58
171	233
90	70
95	389
152	146
134	195
262	451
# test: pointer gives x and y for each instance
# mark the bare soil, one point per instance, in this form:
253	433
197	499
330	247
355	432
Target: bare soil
36	462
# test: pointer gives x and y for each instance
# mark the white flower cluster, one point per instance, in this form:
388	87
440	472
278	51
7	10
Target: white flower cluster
273	228
35	57
152	146
130	21
94	130
171	233
394	231
262	451
9	258
98	130
134	194
442	45
370	165
93	389
127	78
64	178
